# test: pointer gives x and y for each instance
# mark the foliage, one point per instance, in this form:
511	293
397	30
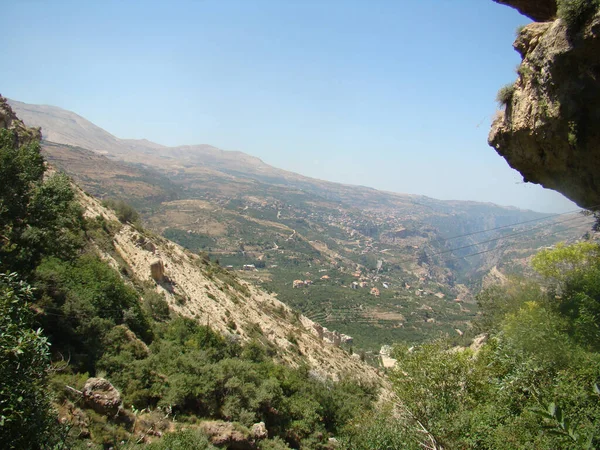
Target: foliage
156	305
37	217
381	430
574	272
505	94
561	426
26	418
191	370
124	211
182	440
498	301
576	12
194	242
564	262
541	359
84	299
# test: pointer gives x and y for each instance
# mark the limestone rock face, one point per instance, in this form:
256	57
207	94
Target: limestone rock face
549	130
101	396
538	10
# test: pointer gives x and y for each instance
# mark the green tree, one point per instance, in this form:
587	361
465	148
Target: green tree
124	211
26	418
565	261
38	217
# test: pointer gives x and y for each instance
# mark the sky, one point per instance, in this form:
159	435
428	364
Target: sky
390	94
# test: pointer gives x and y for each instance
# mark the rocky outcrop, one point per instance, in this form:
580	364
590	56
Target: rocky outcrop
8	119
259	431
548	129
227	434
538	10
157	270
101	396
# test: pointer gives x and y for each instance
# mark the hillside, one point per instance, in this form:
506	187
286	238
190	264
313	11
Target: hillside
377	266
197	289
126	335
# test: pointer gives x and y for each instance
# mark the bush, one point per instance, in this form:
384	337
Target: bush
37	217
156	305
182	440
26	418
505	94
576	12
124	211
379	431
85	299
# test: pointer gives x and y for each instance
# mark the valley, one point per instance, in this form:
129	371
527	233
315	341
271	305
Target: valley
376	266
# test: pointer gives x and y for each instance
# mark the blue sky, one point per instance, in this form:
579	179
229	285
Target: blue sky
391	94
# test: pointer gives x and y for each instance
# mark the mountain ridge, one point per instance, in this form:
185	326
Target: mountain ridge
377	266
199	154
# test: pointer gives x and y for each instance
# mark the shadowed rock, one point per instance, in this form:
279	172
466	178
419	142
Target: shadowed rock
101	396
549	129
157	270
538	10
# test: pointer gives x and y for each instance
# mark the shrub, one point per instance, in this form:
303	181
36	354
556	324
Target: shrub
85	299
125	212
505	94
156	304
576	12
38	217
182	440
379	431
26	418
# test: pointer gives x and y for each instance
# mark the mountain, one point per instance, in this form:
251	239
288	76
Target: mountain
127	336
377	266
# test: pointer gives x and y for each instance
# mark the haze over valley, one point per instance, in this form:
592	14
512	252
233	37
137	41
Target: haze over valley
309	225
376	266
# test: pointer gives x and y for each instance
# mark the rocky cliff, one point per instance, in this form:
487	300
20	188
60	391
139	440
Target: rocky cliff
9	120
548	127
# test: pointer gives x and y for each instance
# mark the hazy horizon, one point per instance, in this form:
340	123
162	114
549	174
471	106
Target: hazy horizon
397	97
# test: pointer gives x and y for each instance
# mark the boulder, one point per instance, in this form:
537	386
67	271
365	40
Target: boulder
226	434
157	270
101	396
259	431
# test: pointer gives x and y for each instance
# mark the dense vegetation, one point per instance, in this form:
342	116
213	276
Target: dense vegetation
533	384
66	315
576	12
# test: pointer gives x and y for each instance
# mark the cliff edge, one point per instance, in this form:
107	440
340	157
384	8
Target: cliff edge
548	127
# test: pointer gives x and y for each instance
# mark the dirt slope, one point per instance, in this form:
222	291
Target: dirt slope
234	307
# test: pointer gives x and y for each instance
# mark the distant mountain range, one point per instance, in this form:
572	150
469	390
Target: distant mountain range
426	257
